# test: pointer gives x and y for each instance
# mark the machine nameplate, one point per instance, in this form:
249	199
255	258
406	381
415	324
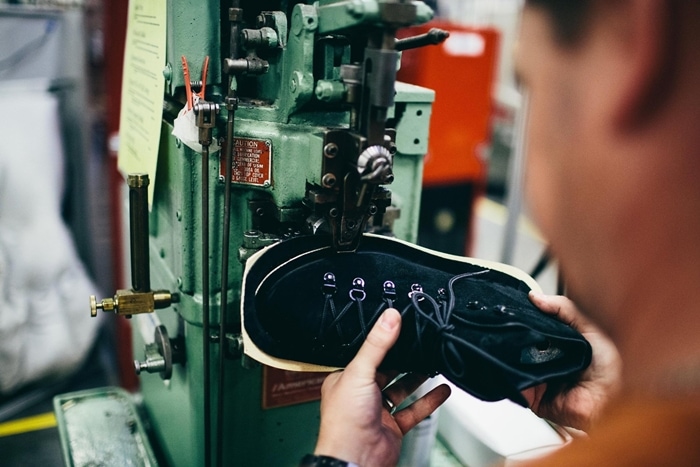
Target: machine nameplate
282	388
252	162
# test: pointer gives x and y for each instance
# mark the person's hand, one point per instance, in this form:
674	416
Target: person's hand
356	426
580	405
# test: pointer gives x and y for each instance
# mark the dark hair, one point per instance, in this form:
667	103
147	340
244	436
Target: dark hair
568	17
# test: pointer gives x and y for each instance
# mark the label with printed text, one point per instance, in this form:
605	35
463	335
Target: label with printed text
252	162
282	388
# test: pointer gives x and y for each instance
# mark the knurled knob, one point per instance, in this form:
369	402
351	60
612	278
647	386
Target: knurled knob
108	304
93	306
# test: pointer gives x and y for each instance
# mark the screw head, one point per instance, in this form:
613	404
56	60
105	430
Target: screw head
330	150
328	180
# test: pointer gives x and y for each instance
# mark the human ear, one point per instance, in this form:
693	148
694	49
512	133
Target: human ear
649	42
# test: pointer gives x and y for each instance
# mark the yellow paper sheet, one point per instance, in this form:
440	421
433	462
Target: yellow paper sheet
142	89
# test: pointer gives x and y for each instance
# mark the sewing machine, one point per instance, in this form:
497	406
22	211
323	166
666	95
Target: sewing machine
299	128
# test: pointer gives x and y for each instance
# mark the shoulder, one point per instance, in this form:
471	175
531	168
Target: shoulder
637	432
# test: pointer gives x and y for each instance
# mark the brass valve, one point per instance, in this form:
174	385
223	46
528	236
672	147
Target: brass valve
128	302
140	298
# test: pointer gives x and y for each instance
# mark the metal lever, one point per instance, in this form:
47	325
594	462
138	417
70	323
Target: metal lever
433	37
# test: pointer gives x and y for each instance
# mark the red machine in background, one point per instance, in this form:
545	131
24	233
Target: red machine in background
462	71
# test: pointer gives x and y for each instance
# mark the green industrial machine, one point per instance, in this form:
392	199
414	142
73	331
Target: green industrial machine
303	131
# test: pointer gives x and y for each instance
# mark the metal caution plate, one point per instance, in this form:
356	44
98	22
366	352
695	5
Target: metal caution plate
252	162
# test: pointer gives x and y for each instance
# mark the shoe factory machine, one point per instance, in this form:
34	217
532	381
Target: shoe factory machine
299	128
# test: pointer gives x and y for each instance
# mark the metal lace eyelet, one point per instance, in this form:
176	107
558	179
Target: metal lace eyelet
414	289
389	291
358	290
329	287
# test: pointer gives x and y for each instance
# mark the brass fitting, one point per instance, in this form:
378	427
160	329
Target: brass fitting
128	302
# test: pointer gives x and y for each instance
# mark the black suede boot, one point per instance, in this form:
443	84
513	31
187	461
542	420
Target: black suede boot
306	307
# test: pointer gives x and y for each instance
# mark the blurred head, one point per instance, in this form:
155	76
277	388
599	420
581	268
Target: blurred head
612	143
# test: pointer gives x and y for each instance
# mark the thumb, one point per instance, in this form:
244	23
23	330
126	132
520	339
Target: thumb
379	340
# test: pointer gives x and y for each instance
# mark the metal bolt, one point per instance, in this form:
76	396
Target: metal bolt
328	180
330	150
178	215
267	184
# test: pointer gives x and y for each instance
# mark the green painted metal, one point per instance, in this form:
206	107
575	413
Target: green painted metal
102	427
338	15
193	31
253	436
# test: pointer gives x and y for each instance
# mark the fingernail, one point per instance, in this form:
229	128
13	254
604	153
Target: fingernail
536	295
389	320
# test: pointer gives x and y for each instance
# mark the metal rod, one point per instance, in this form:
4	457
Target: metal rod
205	305
236	17
225	253
138	232
433	37
206	121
